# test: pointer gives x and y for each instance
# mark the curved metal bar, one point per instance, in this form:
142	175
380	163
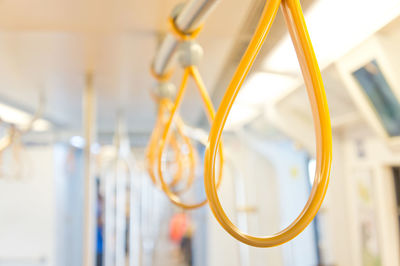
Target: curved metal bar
190	18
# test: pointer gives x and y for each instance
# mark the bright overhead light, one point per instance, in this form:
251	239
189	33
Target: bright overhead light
240	114
259	89
41	125
21	119
263	88
77	142
335	28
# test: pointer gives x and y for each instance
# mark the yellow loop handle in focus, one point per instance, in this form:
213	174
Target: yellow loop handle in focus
315	89
180	35
189	71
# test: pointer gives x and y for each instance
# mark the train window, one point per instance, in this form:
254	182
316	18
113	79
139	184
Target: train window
381	96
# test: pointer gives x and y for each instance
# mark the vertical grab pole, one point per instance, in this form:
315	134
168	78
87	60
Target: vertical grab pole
121	180
89	223
134	218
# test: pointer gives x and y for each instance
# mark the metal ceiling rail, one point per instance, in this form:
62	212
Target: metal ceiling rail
192	15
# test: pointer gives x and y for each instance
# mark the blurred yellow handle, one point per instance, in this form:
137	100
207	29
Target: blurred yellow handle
189	71
165	105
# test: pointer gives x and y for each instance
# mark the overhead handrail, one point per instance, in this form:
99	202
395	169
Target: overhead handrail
312	77
187	18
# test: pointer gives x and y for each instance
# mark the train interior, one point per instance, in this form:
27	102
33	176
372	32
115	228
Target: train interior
82	123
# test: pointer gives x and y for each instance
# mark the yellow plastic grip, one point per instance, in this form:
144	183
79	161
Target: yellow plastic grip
180	35
178	159
315	89
161	78
191	155
189	71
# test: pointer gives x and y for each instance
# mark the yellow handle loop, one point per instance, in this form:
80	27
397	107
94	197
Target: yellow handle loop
151	153
189	71
152	145
8	139
161	78
313	80
178	159
180	35
191	155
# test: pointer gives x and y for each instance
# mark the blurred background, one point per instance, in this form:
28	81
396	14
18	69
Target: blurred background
76	116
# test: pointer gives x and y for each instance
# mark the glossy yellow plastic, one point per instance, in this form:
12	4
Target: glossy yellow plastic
189	71
180	35
154	139
315	89
161	78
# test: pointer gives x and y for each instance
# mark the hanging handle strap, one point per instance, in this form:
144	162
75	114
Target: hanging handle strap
165	106
312	76
189	71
